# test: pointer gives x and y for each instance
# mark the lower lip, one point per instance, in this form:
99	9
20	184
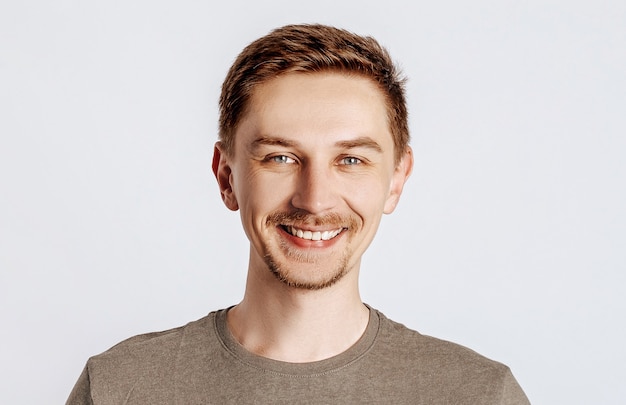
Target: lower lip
306	243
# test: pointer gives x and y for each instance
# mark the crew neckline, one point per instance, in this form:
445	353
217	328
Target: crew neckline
309	369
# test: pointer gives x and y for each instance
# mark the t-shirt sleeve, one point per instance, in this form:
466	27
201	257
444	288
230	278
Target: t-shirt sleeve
81	394
512	393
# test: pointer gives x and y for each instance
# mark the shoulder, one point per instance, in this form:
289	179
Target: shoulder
153	345
445	366
147	361
412	344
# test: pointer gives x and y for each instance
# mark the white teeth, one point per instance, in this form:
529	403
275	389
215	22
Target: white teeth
317	235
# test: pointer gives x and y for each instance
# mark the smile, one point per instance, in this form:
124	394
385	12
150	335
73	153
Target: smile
313	235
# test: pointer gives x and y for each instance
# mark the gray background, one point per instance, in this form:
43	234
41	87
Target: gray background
509	238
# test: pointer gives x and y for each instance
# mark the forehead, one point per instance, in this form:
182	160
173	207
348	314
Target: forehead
322	105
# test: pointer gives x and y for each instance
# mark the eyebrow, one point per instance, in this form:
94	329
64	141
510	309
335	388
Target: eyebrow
272	141
360	142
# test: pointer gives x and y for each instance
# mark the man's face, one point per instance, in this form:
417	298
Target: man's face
312	172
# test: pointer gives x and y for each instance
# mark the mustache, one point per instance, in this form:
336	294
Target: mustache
304	218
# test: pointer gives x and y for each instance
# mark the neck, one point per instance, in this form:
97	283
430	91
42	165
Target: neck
294	325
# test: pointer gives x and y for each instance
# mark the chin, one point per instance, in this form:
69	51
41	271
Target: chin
301	281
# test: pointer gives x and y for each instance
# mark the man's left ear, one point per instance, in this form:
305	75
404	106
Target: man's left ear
400	175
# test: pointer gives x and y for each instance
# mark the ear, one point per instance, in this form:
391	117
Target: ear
400	175
223	174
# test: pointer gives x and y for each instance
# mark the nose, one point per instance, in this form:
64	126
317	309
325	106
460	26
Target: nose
316	190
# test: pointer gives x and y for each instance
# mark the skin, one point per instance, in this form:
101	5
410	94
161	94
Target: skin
313	154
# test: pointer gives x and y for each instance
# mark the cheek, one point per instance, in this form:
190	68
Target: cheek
260	195
366	196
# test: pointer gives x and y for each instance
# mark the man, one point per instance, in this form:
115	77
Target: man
313	149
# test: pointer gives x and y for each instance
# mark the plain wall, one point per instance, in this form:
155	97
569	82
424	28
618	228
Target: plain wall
509	237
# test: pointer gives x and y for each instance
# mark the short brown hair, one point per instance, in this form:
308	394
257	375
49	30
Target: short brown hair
311	48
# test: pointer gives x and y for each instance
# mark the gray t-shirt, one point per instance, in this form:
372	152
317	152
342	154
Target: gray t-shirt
202	363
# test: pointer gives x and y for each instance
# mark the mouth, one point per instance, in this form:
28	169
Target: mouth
312	235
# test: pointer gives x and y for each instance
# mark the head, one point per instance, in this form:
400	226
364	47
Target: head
311	49
321	150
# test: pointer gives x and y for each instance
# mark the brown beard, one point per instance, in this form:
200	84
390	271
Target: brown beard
285	277
301	219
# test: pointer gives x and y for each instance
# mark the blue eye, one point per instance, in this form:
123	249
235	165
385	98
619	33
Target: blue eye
281	159
350	161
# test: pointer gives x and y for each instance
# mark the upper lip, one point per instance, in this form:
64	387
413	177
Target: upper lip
313	228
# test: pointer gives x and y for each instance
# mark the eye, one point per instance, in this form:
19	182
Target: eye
350	161
283	159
